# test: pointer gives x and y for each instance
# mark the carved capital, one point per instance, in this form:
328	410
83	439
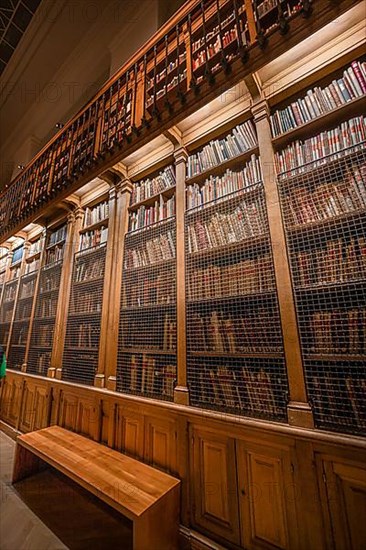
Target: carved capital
180	155
260	110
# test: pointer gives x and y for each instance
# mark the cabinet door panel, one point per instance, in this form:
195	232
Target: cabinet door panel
214	492
344	502
129	431
268	519
161	443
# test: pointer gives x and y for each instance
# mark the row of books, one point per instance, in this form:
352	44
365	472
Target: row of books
15	272
89	301
23	311
242	138
320	101
216	187
6	315
144	189
61	166
148	376
47	307
31	266
166	87
17	254
96	213
35	247
54	255
147	215
21	336
339	331
329	200
93	238
209	35
159	76
290	8
212	48
226	332
245	277
221	229
265	7
340	261
27	288
10	292
320	149
137	333
58	235
43	362
87	336
151	251
241	389
50	280
339	401
44	334
87	270
146	291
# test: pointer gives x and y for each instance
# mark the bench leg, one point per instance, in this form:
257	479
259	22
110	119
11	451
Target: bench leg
25	464
158	527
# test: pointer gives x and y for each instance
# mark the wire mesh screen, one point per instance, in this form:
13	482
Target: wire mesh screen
23	311
80	359
6	311
44	319
148	324
324	212
235	360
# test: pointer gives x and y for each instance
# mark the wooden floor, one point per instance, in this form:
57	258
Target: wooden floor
74	518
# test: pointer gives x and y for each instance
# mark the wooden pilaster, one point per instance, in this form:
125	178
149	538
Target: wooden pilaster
119	198
181	393
299	411
25	252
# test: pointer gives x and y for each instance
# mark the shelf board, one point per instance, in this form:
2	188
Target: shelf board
168	192
25	298
88	281
84	252
252	355
81	349
21	321
327	223
58	243
157	265
156	226
335	285
33	257
219	169
147	307
95	225
18	345
227	249
148	351
321	123
44	292
265	295
42	347
335	357
44	319
53	265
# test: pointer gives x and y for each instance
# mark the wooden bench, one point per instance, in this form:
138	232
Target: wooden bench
148	497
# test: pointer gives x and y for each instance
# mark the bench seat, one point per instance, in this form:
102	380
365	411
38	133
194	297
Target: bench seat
145	495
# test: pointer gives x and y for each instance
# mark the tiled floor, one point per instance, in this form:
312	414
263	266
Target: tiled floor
50	512
20	528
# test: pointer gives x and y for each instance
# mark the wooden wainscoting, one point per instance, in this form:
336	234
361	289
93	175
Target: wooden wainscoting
245	484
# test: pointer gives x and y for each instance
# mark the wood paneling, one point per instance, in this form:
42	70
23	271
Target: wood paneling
161	443
213	484
266	497
344	502
129	431
35	409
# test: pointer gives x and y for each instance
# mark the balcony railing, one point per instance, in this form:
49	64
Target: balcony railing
206	47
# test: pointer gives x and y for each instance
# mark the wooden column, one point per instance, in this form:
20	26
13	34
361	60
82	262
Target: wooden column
25	252
74	222
299	411
181	393
119	200
123	192
9	256
33	311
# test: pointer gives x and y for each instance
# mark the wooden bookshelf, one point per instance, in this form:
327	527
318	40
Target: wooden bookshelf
43	326
232	300
146	363
23	310
327	257
86	298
